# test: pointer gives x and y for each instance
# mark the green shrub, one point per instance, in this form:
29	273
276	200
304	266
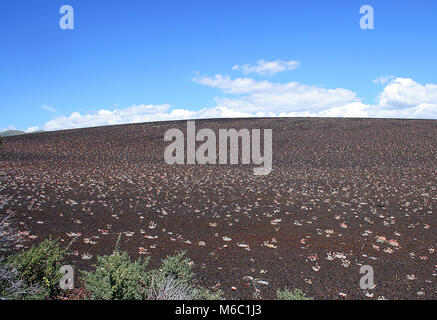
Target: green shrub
291	295
40	266
177	267
117	278
205	294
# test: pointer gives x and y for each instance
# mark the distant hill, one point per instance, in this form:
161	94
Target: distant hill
10	133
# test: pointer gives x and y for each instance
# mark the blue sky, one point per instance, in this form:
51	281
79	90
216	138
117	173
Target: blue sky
143	60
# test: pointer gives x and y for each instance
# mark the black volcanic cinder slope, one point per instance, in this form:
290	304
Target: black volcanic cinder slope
343	193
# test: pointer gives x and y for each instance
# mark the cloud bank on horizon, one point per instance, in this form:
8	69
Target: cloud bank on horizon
248	97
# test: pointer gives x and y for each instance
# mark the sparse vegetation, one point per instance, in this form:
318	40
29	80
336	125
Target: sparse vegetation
206	294
8	236
286	294
178	267
116	277
12	286
168	288
89	183
35	274
40	266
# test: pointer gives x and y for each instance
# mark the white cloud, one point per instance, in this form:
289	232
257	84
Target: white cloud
32	129
247	97
132	114
267	68
401	97
404	93
137	114
48	108
264	96
384	79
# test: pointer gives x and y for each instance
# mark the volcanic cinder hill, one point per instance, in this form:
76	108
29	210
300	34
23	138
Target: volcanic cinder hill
342	193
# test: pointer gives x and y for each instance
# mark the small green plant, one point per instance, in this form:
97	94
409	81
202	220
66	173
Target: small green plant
178	267
205	294
117	278
286	294
40	265
175	279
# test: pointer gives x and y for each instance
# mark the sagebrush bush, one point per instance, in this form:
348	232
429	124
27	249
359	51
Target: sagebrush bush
40	265
161	288
297	294
12	286
8	235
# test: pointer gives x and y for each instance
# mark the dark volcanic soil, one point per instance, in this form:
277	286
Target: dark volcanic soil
343	193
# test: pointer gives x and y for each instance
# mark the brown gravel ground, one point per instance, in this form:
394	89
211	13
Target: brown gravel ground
361	191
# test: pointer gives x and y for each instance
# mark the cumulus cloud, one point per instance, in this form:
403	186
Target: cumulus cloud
137	114
264	96
401	97
404	93
247	97
267	68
